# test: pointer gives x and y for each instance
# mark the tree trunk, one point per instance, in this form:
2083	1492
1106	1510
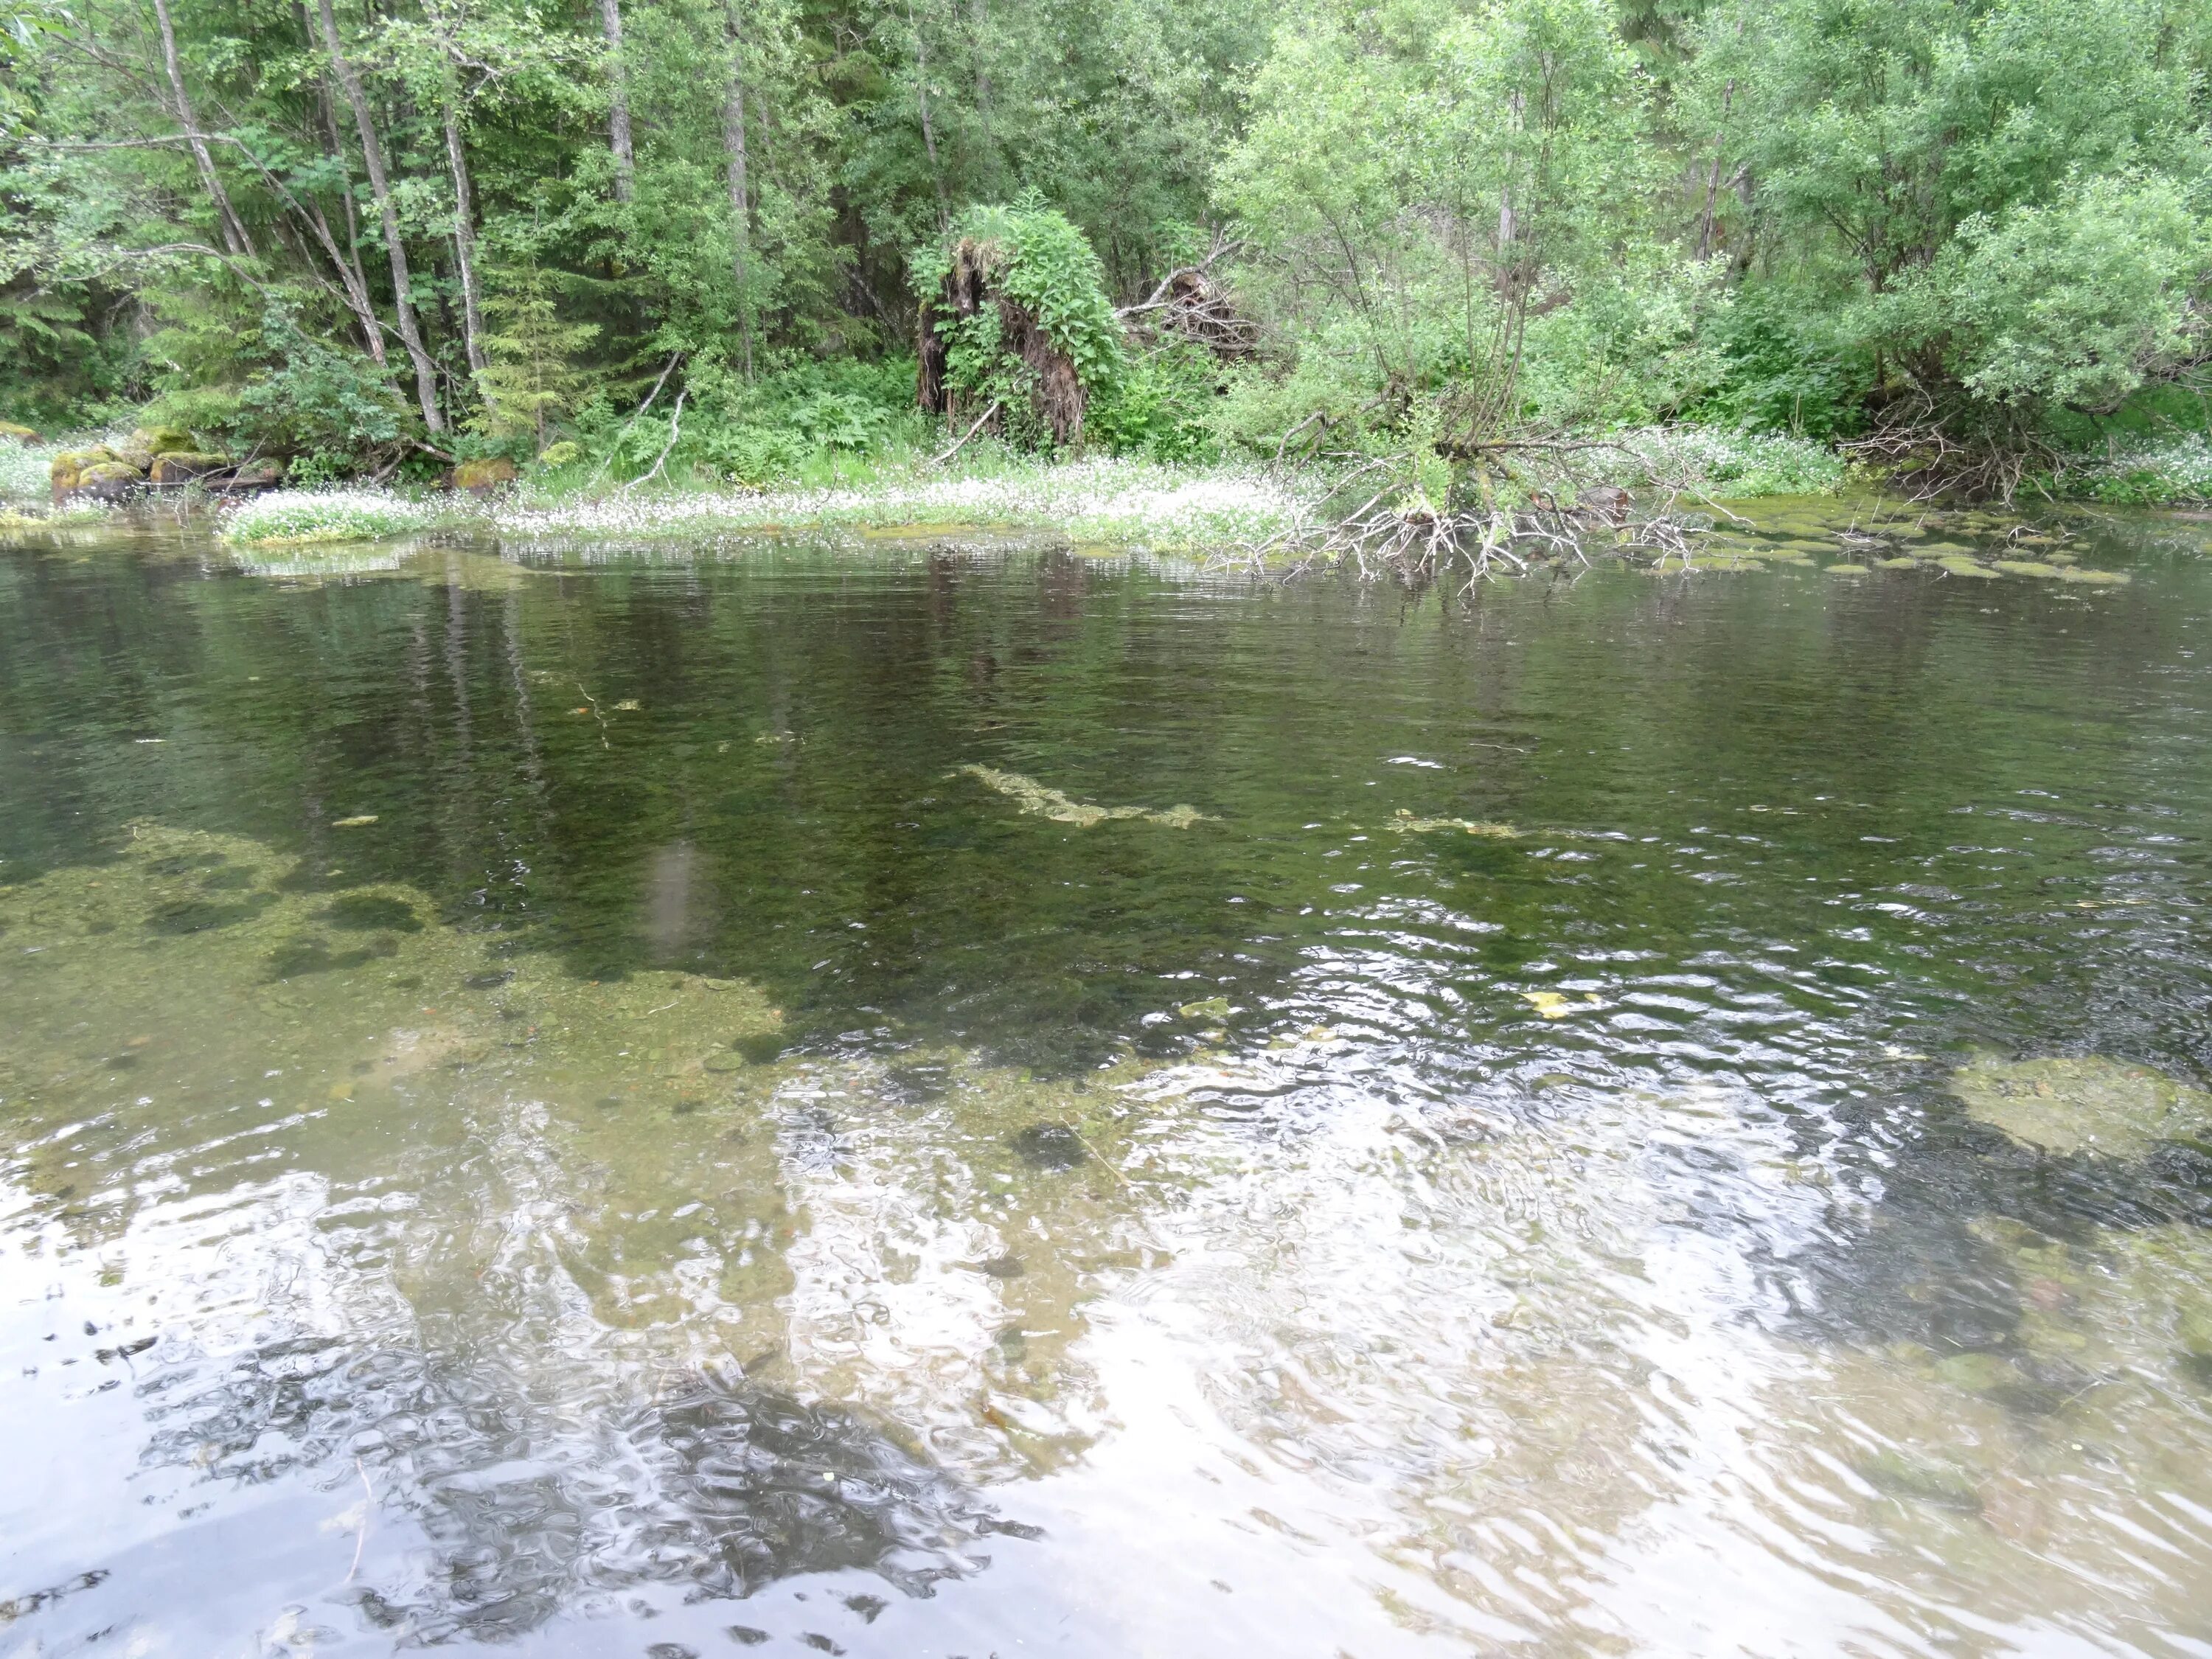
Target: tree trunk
733	144
982	28
618	102
464	236
928	131
372	155
1713	178
235	236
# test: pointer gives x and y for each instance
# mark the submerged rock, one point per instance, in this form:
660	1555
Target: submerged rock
1406	823
2088	1104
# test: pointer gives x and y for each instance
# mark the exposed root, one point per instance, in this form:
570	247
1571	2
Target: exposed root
1395	530
1925	452
1057	397
1193	304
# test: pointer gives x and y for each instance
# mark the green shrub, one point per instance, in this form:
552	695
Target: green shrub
1162	407
1779	365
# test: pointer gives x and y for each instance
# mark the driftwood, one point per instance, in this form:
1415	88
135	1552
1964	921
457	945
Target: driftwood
1057	397
1191	303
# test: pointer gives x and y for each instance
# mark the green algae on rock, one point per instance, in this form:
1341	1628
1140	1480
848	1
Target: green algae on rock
1044	802
2089	1103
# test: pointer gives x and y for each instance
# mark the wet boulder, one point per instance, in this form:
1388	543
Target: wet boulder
481	479
253	475
1606	501
183	465
10	432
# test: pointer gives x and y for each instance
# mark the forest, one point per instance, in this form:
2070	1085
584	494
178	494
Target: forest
741	241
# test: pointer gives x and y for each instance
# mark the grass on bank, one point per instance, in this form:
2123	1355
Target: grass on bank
1122	502
1125	502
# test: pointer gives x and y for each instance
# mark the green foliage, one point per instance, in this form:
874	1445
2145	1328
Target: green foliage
532	374
2080	303
1039	270
1163	407
2176	471
1779	365
1455	219
283	392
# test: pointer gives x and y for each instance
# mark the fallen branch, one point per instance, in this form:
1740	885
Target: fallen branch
940	460
607	459
675	431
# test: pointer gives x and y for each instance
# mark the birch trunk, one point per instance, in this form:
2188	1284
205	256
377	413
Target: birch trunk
928	131
372	155
733	144
234	235
464	238
618	102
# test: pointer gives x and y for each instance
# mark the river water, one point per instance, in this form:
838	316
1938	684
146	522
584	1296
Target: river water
929	1098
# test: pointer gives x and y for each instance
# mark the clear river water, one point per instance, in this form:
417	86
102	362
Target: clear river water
933	1096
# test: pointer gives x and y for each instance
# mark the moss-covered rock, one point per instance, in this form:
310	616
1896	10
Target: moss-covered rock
140	448
182	466
108	481
69	466
483	477
21	435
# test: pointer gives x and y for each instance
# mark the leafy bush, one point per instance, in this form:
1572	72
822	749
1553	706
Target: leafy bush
301	397
2078	304
1779	365
296	516
1161	408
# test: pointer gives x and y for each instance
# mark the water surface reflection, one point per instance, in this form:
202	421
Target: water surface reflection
545	1109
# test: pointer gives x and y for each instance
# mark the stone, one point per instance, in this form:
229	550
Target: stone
182	466
2067	1104
108	481
21	435
255	474
69	466
482	478
140	448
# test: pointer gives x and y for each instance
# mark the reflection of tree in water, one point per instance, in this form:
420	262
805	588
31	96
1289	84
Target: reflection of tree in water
531	1497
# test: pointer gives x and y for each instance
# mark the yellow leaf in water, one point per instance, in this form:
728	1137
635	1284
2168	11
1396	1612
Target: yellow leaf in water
631	704
353	823
1552	1006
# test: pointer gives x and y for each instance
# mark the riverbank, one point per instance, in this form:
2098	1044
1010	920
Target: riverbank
1121	503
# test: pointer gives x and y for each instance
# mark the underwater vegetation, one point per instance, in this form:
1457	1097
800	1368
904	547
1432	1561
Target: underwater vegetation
1035	798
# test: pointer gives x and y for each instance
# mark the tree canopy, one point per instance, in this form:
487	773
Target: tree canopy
325	228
